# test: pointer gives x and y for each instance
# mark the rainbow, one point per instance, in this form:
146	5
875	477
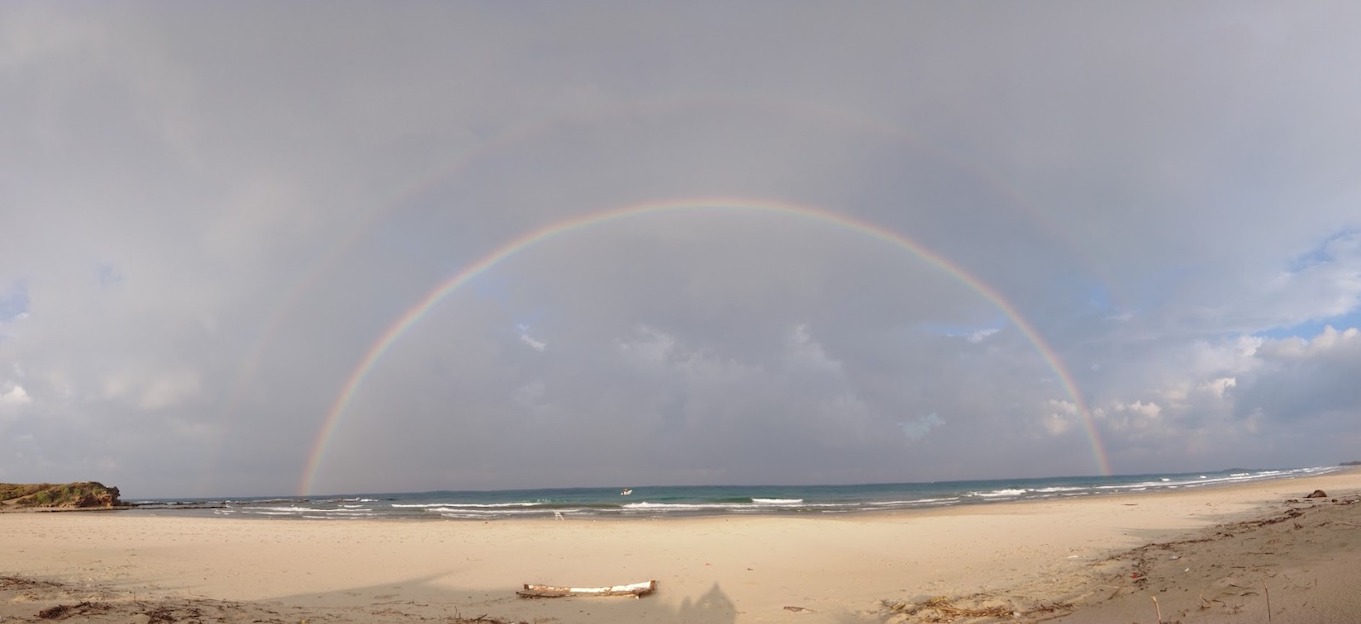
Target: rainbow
534	237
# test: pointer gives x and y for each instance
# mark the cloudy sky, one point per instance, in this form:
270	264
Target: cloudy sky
899	242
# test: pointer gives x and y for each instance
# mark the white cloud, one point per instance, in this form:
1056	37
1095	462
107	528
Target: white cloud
1060	417
15	396
154	392
663	352
648	347
1220	387
533	344
805	353
981	335
1136	416
1329	341
918	428
1328	285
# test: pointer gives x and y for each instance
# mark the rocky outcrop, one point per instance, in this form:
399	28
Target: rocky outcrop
80	495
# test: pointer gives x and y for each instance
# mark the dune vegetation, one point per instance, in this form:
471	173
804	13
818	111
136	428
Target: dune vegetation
79	495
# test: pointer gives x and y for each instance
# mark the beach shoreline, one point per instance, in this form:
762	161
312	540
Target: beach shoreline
875	567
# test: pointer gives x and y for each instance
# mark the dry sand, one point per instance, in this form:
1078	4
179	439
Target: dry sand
1207	554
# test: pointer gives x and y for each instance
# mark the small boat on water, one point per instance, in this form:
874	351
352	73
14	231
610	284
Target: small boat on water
626	492
637	590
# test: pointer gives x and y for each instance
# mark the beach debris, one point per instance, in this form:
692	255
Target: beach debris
483	619
14	581
943	609
939	609
637	590
61	611
798	609
1317	494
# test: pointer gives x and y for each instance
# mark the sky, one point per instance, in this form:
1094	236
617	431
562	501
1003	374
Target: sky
260	248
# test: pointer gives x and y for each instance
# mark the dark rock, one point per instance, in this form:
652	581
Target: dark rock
1317	494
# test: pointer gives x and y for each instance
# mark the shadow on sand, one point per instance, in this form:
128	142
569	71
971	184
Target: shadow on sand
420	599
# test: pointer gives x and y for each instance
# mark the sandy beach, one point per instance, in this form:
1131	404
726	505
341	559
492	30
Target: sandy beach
1205	554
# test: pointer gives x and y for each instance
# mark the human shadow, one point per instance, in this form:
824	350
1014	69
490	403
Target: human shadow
713	606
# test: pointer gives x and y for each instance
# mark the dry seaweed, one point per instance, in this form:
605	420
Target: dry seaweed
483	619
944	609
61	611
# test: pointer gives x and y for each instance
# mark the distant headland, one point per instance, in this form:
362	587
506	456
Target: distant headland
81	495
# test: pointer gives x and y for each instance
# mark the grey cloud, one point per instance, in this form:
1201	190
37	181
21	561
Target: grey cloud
211	215
1304	379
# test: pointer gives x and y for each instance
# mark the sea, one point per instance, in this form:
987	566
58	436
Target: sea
717	500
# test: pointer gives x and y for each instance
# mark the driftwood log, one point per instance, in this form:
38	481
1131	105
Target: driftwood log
637	590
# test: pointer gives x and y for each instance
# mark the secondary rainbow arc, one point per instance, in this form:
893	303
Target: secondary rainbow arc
533	237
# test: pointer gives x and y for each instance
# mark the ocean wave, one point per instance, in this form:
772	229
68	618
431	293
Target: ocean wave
483	510
914	501
482	505
679	506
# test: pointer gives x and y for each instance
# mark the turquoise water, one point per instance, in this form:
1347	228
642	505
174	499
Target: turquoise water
672	501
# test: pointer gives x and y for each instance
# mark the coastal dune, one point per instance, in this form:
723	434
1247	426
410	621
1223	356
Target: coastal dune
1207	554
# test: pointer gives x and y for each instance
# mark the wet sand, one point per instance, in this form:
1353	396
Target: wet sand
1207	555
